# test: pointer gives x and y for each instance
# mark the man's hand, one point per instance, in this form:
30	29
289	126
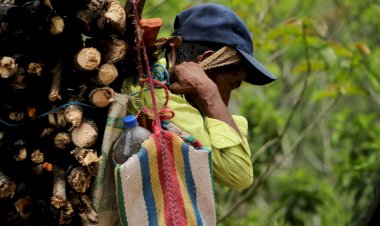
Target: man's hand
190	78
192	81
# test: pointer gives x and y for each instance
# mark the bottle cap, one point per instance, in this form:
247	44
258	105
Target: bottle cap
130	121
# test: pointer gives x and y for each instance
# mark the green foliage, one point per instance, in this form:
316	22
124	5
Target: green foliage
314	133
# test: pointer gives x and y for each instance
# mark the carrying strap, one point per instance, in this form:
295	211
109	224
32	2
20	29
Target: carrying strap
223	57
170	192
141	52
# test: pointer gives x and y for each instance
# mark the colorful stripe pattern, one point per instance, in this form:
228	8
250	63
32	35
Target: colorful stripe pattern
168	182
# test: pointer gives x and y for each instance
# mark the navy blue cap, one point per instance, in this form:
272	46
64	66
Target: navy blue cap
218	24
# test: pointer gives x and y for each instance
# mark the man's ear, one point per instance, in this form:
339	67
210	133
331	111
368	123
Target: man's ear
203	56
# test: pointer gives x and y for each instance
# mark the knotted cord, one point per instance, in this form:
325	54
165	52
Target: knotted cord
154	114
174	217
141	50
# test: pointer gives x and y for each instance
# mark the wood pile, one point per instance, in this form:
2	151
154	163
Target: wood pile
60	64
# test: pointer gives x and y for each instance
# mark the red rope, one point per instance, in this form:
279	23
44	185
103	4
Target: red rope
141	47
158	130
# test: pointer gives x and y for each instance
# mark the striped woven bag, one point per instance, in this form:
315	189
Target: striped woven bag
168	182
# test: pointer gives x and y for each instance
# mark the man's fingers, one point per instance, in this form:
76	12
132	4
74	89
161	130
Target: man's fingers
174	87
172	75
179	89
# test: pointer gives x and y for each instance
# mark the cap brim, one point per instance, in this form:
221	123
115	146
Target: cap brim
258	74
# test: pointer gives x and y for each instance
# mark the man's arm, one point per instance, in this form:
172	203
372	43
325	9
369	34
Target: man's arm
231	155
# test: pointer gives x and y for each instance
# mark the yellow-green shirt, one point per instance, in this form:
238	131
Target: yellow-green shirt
231	155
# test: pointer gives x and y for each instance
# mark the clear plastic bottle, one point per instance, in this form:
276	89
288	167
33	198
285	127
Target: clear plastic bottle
130	140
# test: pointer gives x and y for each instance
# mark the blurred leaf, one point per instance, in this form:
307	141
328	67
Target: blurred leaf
284	31
363	48
315	41
294	21
374	81
323	94
340	50
330	56
321	26
316	65
356	90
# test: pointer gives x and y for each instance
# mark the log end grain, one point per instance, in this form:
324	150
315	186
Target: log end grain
8	67
85	135
88	59
7	186
102	97
116	49
74	114
107	74
79	179
57	25
62	140
37	156
35	69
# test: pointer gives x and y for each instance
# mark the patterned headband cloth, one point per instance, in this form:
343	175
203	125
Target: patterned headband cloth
224	56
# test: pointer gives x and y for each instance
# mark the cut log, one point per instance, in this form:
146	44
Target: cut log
88	59
57	119
83	205
35	69
8	67
62	140
58	198
107	74
54	94
37	156
114	17
21	155
24	207
89	15
79	179
7	186
74	114
57	25
20	150
88	158
16	116
114	50
19	81
102	97
85	135
66	214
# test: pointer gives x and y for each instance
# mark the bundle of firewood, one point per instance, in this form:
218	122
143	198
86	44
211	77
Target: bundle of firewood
60	64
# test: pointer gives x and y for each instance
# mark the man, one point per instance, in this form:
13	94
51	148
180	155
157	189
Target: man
215	57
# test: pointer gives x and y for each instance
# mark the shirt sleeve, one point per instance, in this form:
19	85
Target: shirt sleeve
231	155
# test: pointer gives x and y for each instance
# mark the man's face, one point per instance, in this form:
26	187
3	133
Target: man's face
227	79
